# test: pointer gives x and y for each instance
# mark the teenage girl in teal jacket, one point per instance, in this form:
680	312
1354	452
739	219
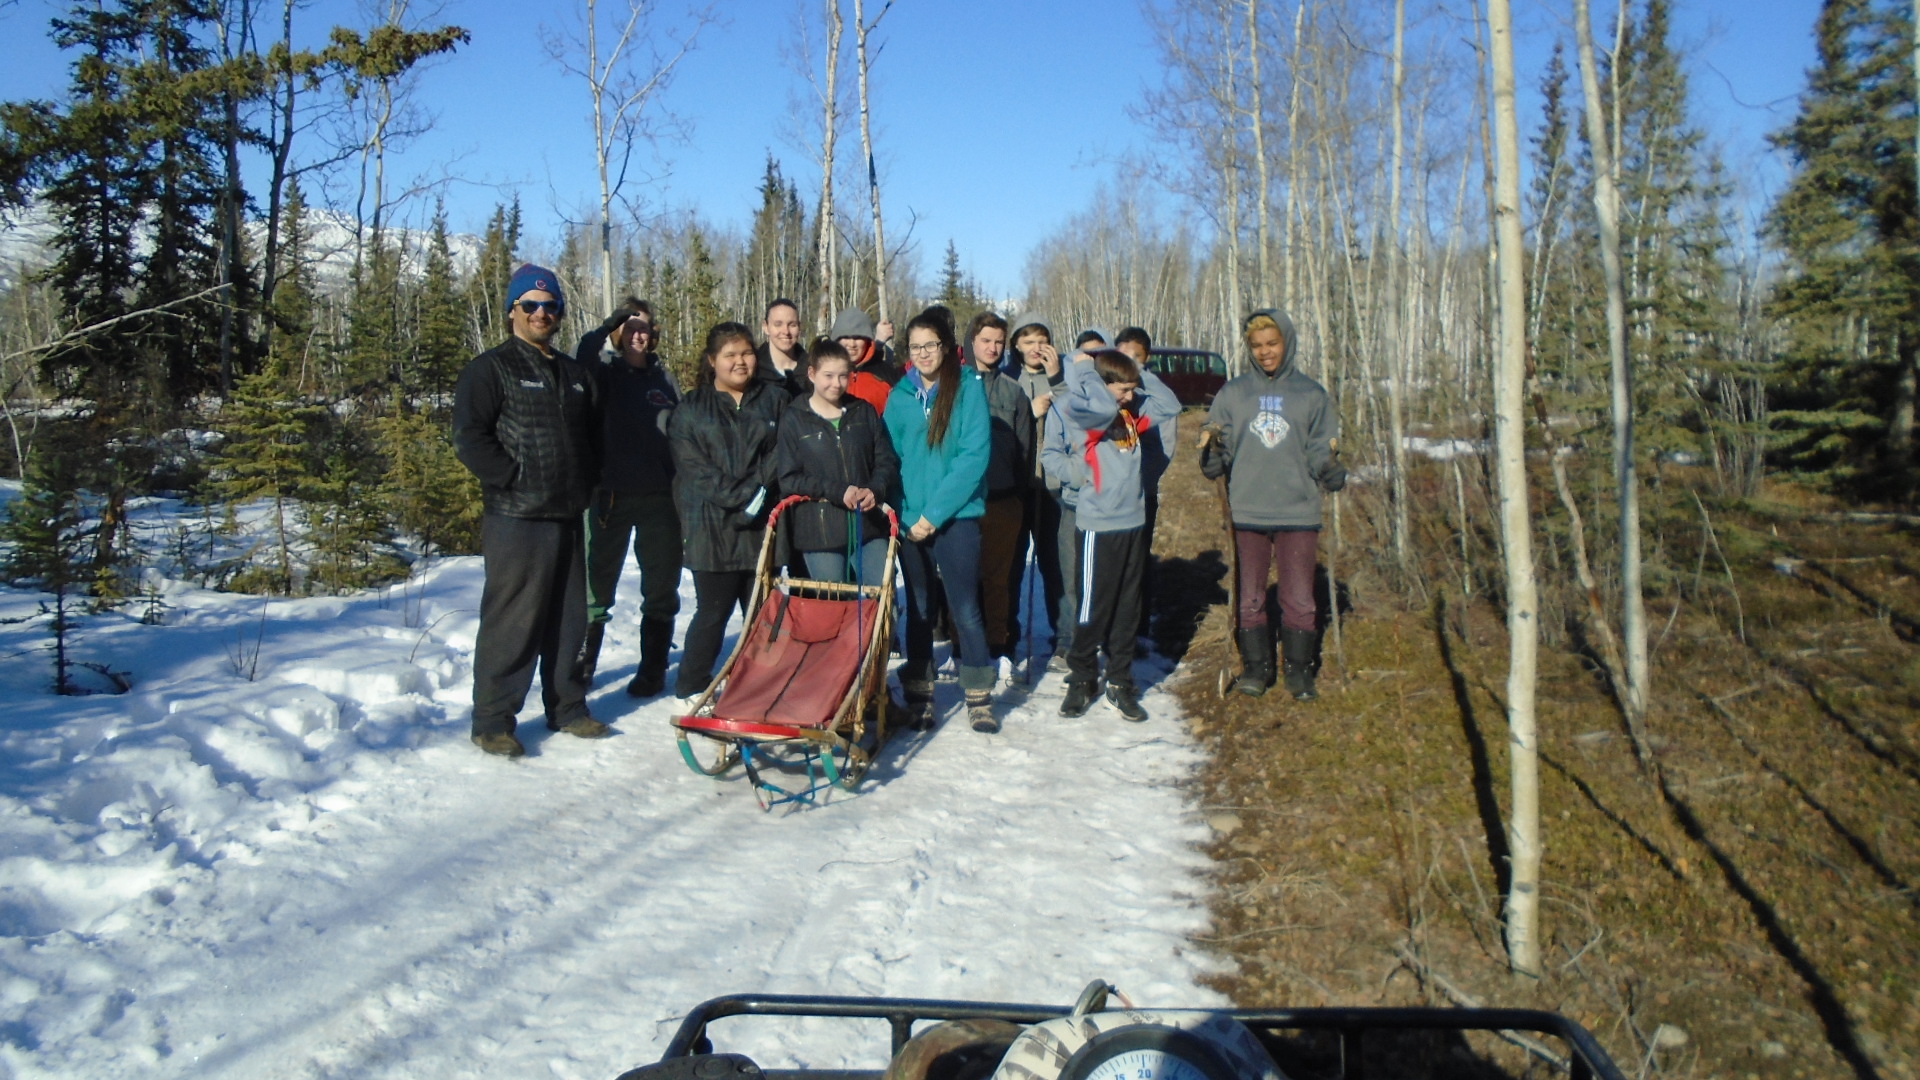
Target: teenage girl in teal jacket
937	416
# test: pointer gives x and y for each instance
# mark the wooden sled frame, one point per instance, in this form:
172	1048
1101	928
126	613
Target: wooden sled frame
834	754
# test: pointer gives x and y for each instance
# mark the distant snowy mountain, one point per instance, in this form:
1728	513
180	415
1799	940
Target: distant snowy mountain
26	245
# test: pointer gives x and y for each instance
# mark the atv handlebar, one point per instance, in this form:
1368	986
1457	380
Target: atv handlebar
1585	1059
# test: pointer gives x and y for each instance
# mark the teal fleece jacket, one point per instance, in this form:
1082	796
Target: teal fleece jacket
946	482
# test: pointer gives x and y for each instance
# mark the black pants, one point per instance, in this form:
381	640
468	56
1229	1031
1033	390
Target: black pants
715	594
1043	532
1111	565
650	522
1149	575
533	608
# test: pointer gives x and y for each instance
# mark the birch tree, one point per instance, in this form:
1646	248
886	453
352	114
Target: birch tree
1606	205
828	249
1523	630
620	51
862	29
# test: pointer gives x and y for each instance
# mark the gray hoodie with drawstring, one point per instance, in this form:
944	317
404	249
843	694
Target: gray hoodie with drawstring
1277	441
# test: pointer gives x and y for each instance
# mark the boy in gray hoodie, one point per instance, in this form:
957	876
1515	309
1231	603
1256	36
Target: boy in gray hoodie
1271	433
1110	404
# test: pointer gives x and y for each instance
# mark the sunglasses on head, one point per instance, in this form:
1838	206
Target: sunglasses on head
528	307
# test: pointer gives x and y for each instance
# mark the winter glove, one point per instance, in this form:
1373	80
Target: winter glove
1334	478
1213	451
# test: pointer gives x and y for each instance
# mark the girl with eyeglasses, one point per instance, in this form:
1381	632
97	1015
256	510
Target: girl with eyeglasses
937	416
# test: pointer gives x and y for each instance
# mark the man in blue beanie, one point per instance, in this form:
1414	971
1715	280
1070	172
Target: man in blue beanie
526	421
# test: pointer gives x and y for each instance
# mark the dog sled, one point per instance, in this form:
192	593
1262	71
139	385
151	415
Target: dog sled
805	691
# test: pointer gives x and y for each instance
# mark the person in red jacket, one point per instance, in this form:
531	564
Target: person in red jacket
873	376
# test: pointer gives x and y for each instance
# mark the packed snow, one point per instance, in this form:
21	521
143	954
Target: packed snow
278	855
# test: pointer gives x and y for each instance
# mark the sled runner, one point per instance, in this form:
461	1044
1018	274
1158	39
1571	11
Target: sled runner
805	690
1095	1040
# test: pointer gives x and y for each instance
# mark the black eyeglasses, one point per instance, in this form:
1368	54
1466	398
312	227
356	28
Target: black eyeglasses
528	307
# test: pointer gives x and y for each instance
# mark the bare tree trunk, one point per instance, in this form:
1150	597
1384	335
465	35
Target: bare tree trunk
597	88
829	298
1293	160
862	28
1606	204
620	86
1230	166
282	128
1523	630
1395	344
1257	96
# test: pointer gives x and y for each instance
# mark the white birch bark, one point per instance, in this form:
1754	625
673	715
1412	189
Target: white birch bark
1523	630
1257	98
861	29
827	248
1606	205
1394	324
1293	160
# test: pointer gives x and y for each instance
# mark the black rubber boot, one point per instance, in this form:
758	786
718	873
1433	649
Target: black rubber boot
589	659
1256	660
656	640
1302	650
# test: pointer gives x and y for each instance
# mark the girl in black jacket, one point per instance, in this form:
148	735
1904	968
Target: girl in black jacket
835	449
723	436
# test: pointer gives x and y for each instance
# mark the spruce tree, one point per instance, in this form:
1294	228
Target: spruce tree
48	546
442	345
267	455
374	326
1850	299
778	250
91	164
427	491
347	530
297	344
1673	237
486	293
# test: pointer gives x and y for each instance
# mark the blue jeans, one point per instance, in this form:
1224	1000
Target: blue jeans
832	565
948	560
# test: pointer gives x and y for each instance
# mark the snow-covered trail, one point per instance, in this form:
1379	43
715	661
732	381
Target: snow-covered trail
316	875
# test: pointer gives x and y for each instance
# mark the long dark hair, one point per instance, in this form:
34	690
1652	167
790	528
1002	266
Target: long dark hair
949	374
717	338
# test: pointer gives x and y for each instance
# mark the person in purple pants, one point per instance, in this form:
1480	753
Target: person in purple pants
1271	433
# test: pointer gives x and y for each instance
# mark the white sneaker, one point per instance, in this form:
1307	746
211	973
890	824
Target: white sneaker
1005	669
683	706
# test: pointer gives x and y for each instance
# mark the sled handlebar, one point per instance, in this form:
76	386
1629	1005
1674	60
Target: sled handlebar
773	518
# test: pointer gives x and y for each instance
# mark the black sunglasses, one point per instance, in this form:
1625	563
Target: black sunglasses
528	307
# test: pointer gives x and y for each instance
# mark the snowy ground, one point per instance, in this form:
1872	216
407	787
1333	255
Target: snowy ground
312	873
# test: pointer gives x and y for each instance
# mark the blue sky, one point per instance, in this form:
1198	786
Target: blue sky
995	119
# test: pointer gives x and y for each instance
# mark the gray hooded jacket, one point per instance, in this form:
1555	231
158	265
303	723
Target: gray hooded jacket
1278	441
1108	480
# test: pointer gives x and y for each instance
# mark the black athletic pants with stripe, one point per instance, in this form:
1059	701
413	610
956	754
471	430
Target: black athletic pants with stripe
1111	571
